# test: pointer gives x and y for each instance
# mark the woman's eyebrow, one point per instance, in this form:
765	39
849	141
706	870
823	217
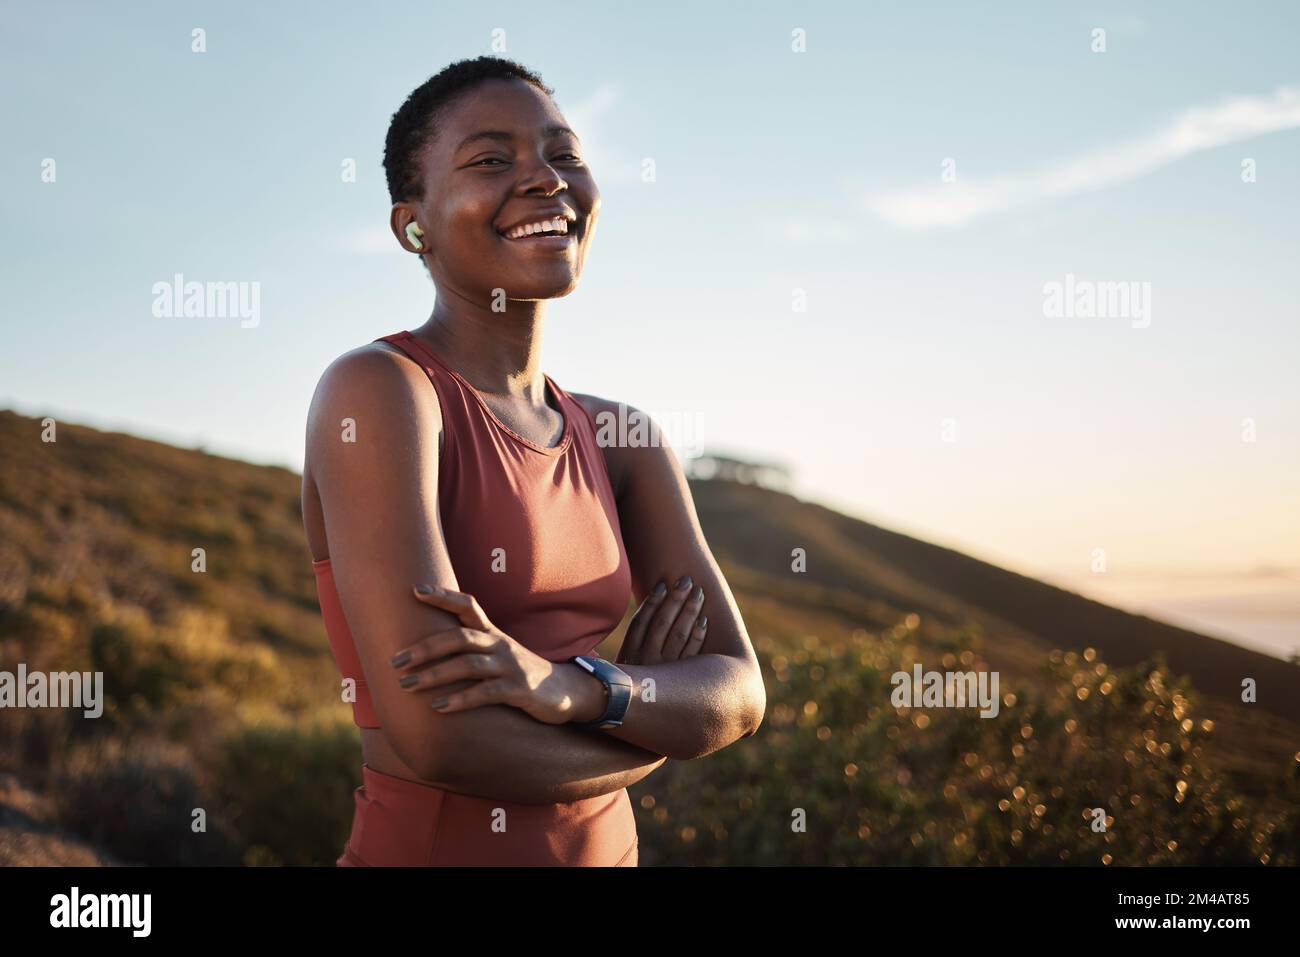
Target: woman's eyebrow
505	137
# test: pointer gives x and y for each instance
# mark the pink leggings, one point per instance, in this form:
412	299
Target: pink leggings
401	823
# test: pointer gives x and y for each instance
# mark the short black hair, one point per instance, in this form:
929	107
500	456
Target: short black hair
413	123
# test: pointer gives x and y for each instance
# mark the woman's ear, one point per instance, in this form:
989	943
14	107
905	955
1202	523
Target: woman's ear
407	228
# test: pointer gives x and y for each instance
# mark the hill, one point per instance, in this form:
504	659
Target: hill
852	561
222	696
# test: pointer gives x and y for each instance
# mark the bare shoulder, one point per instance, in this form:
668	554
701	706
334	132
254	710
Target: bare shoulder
595	405
373	379
374	364
632	442
379	398
621	426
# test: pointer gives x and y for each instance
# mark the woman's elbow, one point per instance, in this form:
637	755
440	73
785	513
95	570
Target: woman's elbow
757	709
753	705
729	725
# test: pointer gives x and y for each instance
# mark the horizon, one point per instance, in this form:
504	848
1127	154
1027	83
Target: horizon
1274	643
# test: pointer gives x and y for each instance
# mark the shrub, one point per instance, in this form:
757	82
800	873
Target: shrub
138	803
880	785
289	790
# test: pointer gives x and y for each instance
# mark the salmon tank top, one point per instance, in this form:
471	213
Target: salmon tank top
533	533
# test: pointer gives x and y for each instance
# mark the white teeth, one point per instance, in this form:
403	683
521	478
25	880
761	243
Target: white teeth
558	225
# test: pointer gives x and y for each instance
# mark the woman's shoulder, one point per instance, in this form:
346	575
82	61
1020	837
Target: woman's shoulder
619	422
373	365
627	435
377	382
591	403
601	409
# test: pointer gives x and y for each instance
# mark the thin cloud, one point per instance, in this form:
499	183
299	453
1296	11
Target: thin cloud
587	112
1194	130
373	240
587	117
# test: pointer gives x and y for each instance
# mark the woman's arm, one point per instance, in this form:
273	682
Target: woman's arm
535	763
372	450
692	707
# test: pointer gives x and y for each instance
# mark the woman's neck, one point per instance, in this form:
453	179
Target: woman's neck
496	352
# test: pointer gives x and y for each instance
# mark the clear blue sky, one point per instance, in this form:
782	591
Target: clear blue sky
776	171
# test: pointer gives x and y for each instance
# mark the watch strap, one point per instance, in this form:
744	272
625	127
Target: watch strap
618	687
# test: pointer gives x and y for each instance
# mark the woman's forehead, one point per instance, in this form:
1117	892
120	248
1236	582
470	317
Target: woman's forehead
511	106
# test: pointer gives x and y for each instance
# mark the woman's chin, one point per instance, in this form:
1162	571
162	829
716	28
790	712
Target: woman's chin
546	288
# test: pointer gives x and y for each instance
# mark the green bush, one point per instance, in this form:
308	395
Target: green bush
880	785
138	802
290	789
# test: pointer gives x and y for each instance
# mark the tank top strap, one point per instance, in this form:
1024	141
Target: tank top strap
580	420
413	347
467	411
457	405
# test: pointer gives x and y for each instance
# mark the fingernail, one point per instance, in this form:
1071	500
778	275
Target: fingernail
699	594
424	589
660	590
408	680
440	703
684	582
401	658
704	622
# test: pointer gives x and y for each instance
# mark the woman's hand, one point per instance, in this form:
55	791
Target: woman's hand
667	626
502	670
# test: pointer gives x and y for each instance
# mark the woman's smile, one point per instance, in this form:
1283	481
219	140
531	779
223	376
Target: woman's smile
553	229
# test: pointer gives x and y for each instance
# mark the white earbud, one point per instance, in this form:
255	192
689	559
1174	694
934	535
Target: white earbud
413	234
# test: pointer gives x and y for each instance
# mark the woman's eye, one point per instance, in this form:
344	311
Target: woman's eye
573	157
487	159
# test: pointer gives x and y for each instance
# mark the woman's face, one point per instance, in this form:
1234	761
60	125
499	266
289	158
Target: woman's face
503	158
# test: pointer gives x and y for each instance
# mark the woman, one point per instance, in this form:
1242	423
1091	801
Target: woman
475	541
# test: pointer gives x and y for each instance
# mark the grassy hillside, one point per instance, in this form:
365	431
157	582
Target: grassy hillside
851	561
222	695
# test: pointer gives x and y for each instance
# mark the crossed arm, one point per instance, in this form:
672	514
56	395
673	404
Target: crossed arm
697	705
378	495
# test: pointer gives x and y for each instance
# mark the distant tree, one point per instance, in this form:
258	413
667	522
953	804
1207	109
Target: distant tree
716	465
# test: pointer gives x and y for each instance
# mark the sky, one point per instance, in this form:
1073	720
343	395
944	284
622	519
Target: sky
992	278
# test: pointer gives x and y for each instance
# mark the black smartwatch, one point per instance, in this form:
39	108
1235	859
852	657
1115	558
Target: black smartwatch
618	691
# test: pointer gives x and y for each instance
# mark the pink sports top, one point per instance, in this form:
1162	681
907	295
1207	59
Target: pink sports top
533	534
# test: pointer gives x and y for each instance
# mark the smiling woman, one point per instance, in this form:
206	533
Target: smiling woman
481	155
474	542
